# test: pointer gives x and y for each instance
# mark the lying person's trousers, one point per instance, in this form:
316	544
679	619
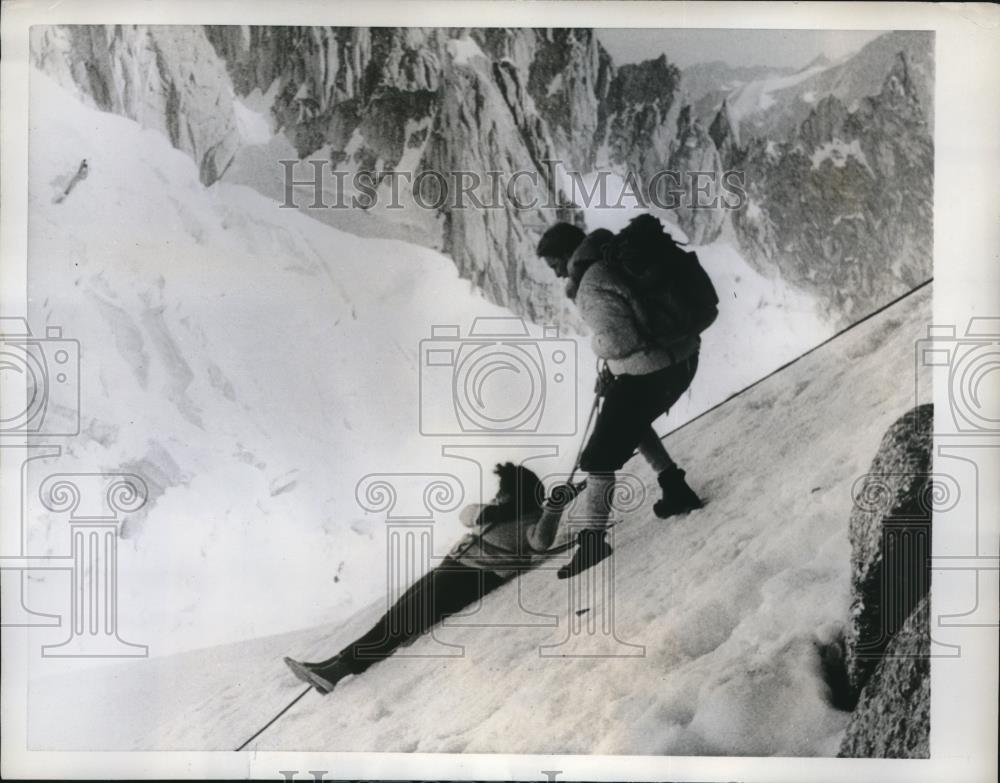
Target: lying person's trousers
444	590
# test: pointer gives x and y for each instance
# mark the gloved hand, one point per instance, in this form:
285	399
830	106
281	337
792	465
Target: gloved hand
605	378
562	495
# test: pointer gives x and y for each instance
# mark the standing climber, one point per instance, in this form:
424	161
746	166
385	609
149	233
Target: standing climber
646	301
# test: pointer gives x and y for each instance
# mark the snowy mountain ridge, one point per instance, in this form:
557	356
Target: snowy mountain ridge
433	100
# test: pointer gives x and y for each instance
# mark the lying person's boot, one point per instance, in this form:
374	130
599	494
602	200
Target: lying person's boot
323	677
591	549
678	497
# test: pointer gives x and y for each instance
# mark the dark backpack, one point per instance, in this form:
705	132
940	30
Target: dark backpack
675	295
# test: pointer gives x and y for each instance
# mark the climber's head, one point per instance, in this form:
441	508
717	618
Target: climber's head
557	245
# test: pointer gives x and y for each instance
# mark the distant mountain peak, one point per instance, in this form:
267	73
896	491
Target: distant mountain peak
820	61
898	81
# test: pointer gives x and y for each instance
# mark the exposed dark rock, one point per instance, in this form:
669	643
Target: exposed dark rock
893	714
843	208
838	172
890	533
486	122
694	157
638	120
833	667
726	137
334	82
570	78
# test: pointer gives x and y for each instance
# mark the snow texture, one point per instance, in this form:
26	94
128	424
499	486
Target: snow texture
463	50
253	115
755	96
254	413
837	152
730	603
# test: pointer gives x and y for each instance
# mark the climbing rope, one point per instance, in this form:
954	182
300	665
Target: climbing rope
268	725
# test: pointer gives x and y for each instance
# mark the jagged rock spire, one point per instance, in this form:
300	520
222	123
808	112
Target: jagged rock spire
898	88
724	128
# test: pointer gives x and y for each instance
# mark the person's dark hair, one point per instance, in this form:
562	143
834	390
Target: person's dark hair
560	241
525	493
522	485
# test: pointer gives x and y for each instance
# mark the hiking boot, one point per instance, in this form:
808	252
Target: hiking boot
591	549
323	677
678	497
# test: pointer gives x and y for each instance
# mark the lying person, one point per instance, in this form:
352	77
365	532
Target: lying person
511	534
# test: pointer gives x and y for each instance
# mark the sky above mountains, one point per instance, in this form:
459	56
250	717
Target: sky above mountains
776	48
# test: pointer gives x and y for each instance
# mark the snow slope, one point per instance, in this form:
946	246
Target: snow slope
253	363
729	602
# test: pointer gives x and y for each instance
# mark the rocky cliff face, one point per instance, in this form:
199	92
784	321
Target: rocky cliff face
893	716
843	208
695	157
890	530
888	633
165	78
638	119
499	129
566	72
839	185
335	85
725	134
